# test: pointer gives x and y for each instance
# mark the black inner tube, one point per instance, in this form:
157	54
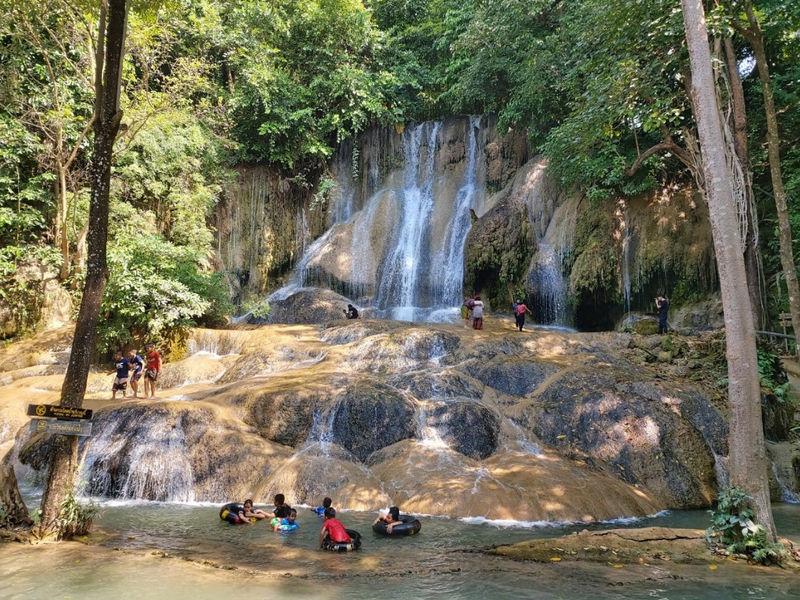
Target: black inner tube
408	526
231	507
353	544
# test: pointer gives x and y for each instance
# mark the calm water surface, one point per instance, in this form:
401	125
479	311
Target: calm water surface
441	562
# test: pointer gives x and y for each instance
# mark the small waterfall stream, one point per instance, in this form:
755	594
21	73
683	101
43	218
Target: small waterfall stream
400	274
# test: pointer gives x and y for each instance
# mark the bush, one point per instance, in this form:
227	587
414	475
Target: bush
734	529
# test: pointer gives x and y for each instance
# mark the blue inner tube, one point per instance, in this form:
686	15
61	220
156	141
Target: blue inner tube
408	526
355	543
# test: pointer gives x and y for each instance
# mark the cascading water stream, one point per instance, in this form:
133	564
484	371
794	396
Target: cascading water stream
447	275
398	285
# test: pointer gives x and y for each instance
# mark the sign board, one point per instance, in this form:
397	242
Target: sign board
54	411
79	428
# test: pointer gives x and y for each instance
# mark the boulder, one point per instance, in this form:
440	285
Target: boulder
309	305
640	323
369	416
637	429
514	375
467	427
432	385
698	316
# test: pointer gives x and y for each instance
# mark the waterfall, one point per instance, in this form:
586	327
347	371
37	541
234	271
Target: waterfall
447	274
551	288
157	466
552	220
400	249
398	285
626	262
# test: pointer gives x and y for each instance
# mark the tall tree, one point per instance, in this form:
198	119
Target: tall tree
747	461
754	35
107	117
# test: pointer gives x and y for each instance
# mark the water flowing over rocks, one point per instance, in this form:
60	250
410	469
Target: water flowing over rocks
544	425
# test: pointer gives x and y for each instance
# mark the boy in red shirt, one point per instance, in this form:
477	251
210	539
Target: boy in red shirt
153	359
333	532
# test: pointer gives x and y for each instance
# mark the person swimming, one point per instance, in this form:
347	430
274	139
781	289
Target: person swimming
288	524
332	532
320	510
251	513
391	518
281	510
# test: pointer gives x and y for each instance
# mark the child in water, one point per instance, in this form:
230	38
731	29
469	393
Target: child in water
391	518
281	510
251	513
320	510
333	532
288	524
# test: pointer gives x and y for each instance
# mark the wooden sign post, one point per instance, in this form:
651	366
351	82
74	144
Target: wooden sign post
52	418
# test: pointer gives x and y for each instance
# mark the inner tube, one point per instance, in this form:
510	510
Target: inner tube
287	527
230	513
352	546
408	526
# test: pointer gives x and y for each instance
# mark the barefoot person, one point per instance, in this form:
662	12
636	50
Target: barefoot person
122	368
137	364
477	313
153	358
520	310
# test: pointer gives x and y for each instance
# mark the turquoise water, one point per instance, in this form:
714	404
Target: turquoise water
441	562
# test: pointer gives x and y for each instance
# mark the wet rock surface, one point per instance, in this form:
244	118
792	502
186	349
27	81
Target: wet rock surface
467	427
371	416
636	431
516	376
445	420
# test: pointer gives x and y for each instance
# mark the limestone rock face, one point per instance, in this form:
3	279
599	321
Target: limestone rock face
637	430
176	452
371	416
309	305
514	375
467	427
546	425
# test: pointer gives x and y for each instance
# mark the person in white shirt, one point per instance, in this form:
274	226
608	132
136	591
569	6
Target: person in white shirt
477	313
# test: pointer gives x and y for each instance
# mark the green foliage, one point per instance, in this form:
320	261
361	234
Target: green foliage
772	376
258	308
155	287
734	528
74	518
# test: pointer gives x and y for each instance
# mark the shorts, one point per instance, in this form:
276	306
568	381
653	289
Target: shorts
151	374
120	384
137	375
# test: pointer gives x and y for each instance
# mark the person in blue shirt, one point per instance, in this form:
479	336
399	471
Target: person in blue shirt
320	510
288	523
136	362
122	368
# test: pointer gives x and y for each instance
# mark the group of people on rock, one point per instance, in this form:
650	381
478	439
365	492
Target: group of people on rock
473	307
131	366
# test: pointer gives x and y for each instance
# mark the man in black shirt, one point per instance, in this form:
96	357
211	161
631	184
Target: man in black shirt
662	304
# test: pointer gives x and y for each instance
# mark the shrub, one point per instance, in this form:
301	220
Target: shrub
733	528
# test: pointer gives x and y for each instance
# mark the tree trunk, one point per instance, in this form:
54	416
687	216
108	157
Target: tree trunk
747	459
16	513
752	255
63	237
756	39
108	115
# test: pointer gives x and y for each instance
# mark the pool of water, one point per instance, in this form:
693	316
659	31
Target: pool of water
443	561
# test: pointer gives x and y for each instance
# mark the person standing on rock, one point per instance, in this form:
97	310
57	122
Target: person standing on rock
153	370
137	364
477	313
520	309
662	305
351	312
122	368
466	311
